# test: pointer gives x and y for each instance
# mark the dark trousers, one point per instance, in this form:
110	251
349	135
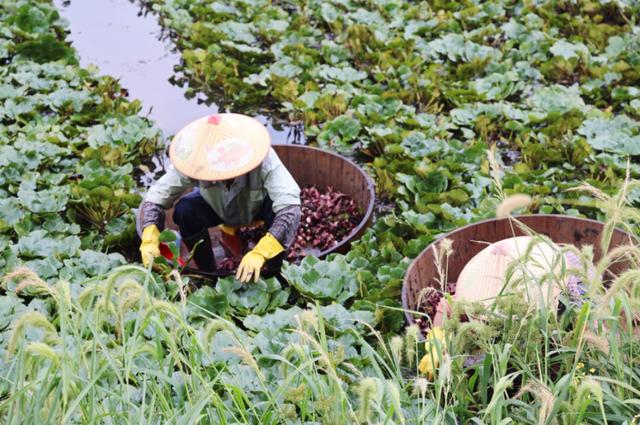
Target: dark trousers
192	214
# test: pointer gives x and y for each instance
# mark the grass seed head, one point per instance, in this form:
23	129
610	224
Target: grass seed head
542	395
367	394
420	386
397	344
215	325
246	357
411	337
512	203
308	317
27	279
587	387
288	412
30	319
412	334
40	349
296	394
446	245
495	170
596	341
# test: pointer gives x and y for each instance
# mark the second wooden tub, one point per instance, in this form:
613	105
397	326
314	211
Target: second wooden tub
560	229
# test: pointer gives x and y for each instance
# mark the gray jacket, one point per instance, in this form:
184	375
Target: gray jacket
237	205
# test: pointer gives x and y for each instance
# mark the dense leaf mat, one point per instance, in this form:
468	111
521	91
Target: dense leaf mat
415	91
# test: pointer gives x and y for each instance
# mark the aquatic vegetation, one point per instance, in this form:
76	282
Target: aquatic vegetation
417	93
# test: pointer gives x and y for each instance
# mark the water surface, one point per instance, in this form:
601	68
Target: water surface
126	44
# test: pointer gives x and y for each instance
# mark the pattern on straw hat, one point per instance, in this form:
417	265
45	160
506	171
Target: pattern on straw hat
220	147
485	277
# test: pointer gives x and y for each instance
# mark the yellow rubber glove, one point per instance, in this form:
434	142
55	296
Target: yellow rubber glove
430	361
150	246
267	248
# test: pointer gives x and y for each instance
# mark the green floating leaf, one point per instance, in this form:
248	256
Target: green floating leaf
11	212
329	280
31	19
340	131
168	235
436	182
96	263
568	50
46	48
10	307
206	303
47	200
420	221
345	74
557	98
253	298
39	243
340	319
618	135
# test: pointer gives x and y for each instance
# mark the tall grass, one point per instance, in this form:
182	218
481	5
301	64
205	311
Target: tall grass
107	351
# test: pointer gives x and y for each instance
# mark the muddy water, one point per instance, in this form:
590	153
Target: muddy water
123	43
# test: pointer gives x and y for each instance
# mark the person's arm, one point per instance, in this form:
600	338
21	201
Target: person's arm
168	188
152	214
161	195
285	225
285	195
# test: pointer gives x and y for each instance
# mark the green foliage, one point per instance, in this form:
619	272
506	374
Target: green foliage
328	280
417	92
69	143
619	135
234	299
46	48
104	195
404	86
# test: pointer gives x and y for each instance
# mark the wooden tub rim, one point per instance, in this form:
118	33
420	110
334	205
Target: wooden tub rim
367	215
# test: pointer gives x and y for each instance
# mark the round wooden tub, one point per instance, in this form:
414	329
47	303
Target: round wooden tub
313	166
561	229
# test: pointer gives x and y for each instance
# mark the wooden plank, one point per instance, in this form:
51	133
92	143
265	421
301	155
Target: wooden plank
322	173
282	153
293	165
339	175
353	181
305	163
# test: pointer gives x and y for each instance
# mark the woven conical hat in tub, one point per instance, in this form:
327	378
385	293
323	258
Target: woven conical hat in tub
486	276
220	147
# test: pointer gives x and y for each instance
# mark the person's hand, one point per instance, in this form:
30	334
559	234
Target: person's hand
250	267
150	246
434	344
251	264
442	311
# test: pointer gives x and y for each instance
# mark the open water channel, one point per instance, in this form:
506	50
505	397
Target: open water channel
123	42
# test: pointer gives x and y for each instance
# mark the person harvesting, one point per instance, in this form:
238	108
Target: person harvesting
237	178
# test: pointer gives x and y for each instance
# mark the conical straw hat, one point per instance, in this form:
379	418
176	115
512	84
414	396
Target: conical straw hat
220	147
484	277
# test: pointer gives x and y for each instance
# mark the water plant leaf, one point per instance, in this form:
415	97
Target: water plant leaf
619	135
